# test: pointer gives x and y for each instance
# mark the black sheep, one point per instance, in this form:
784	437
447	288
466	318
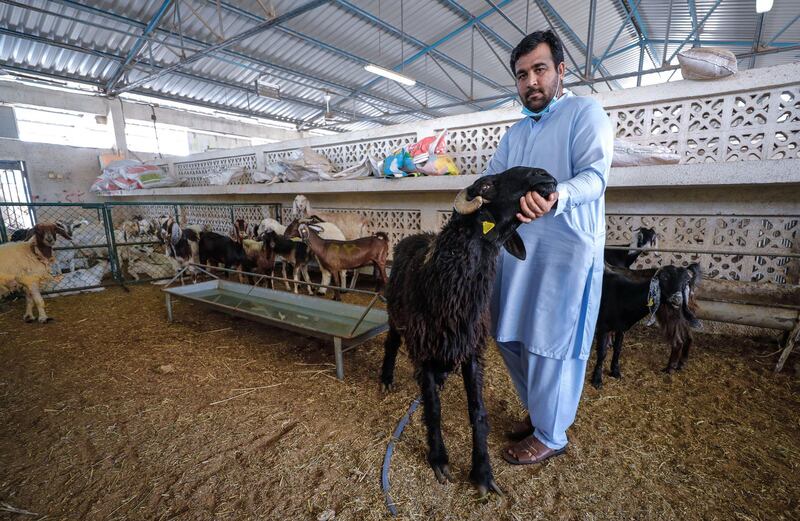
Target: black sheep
665	294
438	302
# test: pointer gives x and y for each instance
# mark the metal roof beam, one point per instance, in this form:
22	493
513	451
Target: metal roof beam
156	95
757	39
422	45
616	36
502	98
329	48
227	43
225	52
732	43
138	44
426	48
695	30
467	17
219	83
544	5
641	29
483	28
783	29
587	70
693	15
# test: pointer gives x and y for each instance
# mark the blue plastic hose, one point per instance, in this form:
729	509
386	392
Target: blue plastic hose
387	458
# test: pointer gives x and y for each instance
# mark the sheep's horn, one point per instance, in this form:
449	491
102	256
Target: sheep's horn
465	206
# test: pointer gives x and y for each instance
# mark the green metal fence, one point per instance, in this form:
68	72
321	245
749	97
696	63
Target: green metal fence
119	243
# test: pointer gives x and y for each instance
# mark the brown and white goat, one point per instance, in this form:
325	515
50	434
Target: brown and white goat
336	256
24	265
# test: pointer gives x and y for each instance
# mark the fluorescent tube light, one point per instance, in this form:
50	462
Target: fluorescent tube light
762	6
399	78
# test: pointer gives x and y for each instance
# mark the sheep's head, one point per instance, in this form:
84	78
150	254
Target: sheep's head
494	202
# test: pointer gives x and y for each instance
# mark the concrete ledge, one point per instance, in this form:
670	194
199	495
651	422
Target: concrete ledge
738	173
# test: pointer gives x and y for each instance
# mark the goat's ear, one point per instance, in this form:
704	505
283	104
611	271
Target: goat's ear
515	246
175	233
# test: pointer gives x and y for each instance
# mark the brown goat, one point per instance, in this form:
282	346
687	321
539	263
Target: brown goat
336	256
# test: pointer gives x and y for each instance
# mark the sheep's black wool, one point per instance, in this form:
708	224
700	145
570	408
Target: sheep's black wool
438	302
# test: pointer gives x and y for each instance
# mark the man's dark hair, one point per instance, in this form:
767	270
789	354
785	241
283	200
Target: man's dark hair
532	40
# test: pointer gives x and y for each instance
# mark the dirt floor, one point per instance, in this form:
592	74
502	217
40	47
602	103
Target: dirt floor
112	413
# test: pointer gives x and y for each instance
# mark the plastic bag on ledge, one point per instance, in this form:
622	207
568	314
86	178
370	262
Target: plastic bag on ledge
128	174
627	153
428	156
222	177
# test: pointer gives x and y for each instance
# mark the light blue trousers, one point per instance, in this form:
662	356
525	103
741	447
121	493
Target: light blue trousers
549	388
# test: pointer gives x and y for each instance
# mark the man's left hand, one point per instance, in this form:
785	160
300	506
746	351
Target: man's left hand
533	206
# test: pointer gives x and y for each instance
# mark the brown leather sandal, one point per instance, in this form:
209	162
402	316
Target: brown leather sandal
530	451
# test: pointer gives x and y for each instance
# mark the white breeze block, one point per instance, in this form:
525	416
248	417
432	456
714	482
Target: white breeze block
707	63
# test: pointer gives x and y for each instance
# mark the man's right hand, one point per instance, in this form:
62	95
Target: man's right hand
532	206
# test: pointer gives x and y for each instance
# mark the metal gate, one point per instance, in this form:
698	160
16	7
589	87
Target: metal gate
119	243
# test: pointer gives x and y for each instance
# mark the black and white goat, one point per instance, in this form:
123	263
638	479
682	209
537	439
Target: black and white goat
218	249
438	302
665	294
644	239
294	253
182	245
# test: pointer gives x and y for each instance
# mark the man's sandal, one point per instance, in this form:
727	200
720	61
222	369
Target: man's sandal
530	451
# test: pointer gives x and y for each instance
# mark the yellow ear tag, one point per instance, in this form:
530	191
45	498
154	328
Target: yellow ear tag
487	226
650	302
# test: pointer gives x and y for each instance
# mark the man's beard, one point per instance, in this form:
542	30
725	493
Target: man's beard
528	105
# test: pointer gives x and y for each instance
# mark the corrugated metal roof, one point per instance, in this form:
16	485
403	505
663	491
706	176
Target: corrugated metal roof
325	49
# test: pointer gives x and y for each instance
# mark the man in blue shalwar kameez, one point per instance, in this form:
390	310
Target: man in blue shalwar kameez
544	308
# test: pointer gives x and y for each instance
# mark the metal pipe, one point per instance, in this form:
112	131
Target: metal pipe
666	33
222	45
137	46
281	279
590	41
709	252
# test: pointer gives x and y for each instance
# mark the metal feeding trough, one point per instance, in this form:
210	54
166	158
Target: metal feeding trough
348	325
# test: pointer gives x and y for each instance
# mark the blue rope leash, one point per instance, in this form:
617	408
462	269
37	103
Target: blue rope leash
387	458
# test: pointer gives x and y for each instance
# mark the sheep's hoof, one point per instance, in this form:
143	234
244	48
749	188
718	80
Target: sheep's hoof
597	383
45	321
29	319
483	490
442	473
669	369
615	374
387	387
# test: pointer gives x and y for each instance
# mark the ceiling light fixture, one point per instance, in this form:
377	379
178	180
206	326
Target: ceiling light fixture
399	78
762	6
267	90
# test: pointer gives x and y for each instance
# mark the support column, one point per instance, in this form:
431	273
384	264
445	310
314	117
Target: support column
117	119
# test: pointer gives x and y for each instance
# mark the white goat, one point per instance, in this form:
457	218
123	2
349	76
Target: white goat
82	278
350	223
266	225
25	265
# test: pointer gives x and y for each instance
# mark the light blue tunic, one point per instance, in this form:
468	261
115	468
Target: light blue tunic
550	301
